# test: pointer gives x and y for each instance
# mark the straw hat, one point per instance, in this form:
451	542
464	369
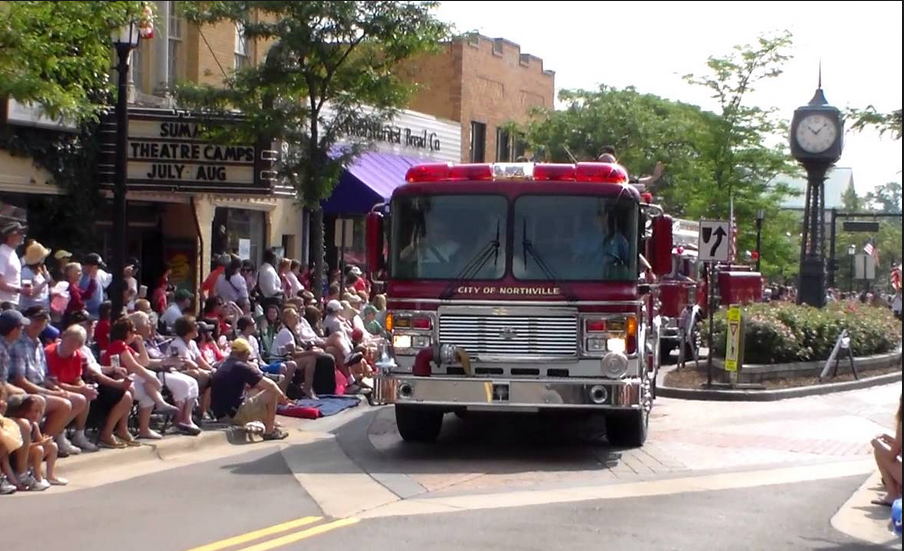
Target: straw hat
35	254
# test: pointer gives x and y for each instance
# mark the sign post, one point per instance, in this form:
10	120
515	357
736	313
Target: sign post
734	351
713	245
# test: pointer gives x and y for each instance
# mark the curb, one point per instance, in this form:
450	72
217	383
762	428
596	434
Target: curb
774	395
159	450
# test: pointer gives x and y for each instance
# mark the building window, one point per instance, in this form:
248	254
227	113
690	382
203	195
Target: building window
474	39
503	146
497	47
136	66
174	45
241	47
478	142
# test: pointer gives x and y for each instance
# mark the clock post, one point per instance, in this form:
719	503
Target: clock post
817	132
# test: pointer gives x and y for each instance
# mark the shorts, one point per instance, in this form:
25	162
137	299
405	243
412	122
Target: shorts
254	408
273	368
107	398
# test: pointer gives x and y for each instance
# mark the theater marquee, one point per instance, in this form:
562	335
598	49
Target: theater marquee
167	152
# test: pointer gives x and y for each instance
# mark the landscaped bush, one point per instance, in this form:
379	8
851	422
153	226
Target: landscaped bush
783	332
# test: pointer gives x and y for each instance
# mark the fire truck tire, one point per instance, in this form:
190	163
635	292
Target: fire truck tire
418	424
627	428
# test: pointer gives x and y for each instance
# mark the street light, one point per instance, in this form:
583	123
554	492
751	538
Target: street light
124	40
760	214
852	251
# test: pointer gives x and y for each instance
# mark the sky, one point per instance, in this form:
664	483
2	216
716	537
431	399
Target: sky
650	45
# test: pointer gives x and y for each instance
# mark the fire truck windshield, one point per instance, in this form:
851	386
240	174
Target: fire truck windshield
439	236
581	238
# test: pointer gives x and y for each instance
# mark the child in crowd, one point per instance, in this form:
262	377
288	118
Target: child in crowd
42	448
11	441
102	329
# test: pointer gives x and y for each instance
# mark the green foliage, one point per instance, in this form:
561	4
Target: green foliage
850	201
885	198
785	332
870	118
328	70
59	221
58	54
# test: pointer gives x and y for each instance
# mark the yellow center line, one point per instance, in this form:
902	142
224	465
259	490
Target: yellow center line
310	532
251	536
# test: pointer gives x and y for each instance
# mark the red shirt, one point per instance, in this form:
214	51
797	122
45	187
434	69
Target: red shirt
77	294
211	281
66	370
361	285
115	349
102	335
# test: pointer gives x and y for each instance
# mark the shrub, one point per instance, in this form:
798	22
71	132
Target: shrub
784	332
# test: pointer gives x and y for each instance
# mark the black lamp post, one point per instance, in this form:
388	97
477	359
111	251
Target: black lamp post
125	40
760	214
852	252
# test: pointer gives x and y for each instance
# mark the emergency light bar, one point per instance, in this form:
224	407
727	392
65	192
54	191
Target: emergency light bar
604	173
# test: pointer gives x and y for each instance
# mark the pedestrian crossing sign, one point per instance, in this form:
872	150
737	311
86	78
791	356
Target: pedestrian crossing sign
733	345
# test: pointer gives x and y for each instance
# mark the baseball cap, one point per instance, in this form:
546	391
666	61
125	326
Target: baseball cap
241	346
10	319
355	270
334	306
61	254
37	313
95	259
134	263
183	294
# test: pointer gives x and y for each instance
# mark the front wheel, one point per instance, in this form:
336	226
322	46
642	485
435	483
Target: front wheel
418	424
627	428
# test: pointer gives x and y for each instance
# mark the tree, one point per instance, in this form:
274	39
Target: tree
57	54
328	71
871	118
885	198
850	201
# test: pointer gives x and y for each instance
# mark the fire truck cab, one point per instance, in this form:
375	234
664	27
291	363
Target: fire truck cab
519	287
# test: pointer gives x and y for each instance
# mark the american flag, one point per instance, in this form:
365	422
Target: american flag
896	277
869	249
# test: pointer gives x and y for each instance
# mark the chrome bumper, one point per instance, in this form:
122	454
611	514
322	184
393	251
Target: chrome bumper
508	394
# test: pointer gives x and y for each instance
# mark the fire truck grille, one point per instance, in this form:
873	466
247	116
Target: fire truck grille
543	336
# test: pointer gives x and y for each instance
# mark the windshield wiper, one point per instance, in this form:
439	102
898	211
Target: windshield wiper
528	249
473	267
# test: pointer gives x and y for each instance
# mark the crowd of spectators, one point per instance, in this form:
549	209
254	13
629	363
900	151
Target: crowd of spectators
76	376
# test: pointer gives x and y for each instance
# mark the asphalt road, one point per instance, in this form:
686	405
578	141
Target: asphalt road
192	506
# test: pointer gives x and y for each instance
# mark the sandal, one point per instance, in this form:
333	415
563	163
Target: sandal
116	444
277	434
880	502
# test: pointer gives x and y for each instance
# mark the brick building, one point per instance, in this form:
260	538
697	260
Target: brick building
485	84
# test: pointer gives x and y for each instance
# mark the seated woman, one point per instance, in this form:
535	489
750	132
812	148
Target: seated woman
268	326
127	350
186	349
339	345
887	451
288	343
67	362
371	324
285	369
208	335
183	387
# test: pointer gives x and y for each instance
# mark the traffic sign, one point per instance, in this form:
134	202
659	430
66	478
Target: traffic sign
715	241
856	226
733	346
865	267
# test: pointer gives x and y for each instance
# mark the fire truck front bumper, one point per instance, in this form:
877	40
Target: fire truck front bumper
513	394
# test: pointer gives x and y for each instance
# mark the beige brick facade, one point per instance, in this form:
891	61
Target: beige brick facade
480	79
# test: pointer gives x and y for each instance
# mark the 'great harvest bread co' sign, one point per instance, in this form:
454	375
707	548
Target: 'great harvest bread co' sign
167	152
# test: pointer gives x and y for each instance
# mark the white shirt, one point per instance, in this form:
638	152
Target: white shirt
38	281
133	293
306	332
184	351
284	337
11	270
232	290
170	316
104	279
255	348
295	286
268	281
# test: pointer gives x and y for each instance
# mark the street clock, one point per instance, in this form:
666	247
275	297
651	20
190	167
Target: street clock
817	132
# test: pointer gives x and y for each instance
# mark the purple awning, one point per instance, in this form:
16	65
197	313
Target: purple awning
368	181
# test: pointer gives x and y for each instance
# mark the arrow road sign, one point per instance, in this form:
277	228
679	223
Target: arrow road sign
714	244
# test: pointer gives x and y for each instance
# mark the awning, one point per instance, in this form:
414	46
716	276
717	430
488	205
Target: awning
369	181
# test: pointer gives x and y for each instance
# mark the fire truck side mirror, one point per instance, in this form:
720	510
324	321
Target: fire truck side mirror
661	245
374	236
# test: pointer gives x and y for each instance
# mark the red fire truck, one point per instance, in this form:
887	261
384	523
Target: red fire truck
520	287
684	288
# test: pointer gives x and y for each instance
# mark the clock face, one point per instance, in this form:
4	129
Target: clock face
816	133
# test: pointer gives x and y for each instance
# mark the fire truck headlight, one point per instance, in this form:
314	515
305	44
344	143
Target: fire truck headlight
614	365
401	341
616	345
595	345
419	341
